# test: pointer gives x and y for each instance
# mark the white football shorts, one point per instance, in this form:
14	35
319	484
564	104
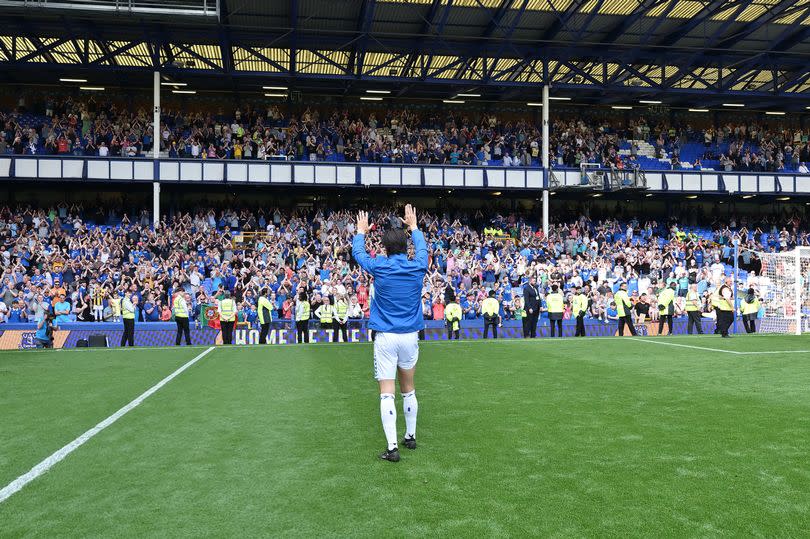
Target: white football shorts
392	350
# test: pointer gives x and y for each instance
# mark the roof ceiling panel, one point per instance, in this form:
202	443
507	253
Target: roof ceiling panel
686	9
618	7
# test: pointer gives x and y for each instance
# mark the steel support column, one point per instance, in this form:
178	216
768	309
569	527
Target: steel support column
156	137
546	163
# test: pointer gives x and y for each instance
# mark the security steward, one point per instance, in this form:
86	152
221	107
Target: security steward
693	309
324	314
180	307
749	308
579	307
666	308
227	317
490	309
128	316
340	312
302	315
265	308
556	305
624	308
725	308
452	316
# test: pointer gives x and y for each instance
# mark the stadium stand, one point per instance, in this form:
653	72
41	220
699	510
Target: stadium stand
90	257
90	128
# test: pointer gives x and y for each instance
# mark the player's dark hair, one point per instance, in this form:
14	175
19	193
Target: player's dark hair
395	242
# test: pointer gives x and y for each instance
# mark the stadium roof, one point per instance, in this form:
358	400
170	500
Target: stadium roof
686	51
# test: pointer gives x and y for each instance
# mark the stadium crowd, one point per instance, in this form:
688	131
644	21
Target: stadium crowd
81	263
90	128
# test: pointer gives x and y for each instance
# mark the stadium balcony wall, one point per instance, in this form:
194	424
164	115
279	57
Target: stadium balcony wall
331	174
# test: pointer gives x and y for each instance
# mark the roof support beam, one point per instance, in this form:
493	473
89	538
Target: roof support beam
43	50
226	50
357	56
293	35
628	21
507	35
200	57
110	54
562	19
709	10
427	28
790	38
661	19
697	59
583	29
264	58
796	80
782	9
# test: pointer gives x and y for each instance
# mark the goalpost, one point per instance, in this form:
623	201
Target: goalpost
783	288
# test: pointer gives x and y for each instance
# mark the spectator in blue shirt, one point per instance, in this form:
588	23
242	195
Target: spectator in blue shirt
16	314
62	310
151	310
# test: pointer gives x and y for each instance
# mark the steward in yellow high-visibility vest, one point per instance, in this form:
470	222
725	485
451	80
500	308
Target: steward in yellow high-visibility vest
556	305
324	313
341	313
128	316
666	308
227	317
490	309
180	308
452	316
624	309
579	308
749	308
302	315
725	307
265	311
693	308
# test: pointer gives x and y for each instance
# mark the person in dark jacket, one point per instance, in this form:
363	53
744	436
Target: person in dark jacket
531	302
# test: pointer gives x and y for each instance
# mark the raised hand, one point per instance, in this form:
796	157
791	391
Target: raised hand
362	222
410	217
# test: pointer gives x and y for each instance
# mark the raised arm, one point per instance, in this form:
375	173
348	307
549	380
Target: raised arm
359	243
419	244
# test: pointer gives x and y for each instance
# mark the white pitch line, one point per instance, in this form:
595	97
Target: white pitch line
735	352
16	485
777	352
687	346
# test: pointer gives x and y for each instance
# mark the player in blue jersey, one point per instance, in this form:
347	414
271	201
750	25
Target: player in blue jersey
396	319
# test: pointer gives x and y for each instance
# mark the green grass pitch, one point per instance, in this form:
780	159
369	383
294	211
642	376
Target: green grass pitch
593	437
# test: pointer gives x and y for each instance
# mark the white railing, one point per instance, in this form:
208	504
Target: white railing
282	172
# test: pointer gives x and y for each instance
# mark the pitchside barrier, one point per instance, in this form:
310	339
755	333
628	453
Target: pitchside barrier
21	336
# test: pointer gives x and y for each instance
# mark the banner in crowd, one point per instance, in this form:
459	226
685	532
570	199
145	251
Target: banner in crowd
21	336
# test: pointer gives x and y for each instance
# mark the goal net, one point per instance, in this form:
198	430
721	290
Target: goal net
782	287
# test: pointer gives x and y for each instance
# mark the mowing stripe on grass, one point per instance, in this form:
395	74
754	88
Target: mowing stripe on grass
16	485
